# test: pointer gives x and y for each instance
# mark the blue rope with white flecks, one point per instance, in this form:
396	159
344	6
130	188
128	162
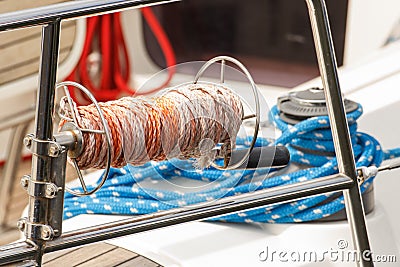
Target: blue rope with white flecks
308	142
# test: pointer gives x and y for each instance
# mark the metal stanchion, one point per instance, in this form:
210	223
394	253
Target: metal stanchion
340	131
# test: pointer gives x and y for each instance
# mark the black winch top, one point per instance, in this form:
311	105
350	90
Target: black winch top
301	105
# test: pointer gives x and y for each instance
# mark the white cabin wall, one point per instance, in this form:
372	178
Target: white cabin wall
369	23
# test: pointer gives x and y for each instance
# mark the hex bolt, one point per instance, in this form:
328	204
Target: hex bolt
51	191
54	151
47	233
28	141
25	181
21	224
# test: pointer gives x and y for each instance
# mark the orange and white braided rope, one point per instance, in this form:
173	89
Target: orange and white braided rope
183	122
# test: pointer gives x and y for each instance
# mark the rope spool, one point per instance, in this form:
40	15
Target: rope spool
194	120
187	121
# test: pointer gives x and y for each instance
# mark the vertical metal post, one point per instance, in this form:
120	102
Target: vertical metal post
39	212
341	136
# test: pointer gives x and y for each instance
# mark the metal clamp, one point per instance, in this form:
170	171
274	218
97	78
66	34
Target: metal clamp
35	230
364	173
54	149
39	189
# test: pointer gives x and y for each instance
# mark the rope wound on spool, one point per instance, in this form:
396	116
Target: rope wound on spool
187	121
193	120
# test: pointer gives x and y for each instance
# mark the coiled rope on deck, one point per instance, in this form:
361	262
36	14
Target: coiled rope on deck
308	143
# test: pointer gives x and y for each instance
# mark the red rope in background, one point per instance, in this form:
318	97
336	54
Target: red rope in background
104	34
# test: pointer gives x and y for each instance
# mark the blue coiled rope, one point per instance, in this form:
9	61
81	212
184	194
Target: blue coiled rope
308	142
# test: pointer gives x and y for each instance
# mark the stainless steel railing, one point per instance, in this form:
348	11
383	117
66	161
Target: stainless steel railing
45	168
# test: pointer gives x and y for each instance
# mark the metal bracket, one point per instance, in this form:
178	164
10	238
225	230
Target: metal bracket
53	148
39	189
35	230
72	138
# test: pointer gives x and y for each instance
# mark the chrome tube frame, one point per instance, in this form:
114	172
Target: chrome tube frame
197	212
340	130
69	10
43	166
